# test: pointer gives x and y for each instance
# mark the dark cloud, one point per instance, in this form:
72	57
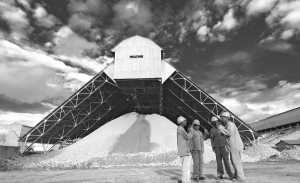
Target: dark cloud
95	7
281	91
4	25
80	22
16	18
10	105
133	16
43	18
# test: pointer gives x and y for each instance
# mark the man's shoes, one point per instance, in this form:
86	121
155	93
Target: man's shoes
219	177
202	178
238	180
196	179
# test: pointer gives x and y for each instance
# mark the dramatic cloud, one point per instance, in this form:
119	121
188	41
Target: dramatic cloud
255	7
283	92
16	18
85	14
21	68
74	45
8	105
62	33
274	45
25	4
96	7
28	85
75	49
197	18
285	16
229	22
80	22
202	33
260	102
135	15
200	21
287	34
93	65
43	18
31	57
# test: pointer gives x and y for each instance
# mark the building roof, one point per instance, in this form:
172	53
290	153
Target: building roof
291	142
138	40
285	118
297	108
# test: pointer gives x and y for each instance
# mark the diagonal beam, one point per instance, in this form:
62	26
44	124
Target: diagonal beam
101	104
74	101
187	106
186	85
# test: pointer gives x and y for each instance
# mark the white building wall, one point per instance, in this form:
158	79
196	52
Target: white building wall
149	66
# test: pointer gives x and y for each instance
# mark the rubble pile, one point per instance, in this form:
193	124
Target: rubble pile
83	150
291	154
258	152
9	164
86	154
132	160
92	152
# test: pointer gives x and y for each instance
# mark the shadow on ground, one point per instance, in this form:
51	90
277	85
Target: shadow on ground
175	174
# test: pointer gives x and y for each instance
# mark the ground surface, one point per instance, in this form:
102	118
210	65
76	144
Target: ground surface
261	172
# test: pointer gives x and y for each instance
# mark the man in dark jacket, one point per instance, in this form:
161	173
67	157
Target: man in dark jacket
218	144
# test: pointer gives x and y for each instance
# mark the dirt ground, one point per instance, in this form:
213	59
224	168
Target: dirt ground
261	172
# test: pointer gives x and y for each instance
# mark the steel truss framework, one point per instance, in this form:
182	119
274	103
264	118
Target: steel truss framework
102	99
185	98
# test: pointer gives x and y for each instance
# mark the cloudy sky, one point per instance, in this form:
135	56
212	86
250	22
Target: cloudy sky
245	53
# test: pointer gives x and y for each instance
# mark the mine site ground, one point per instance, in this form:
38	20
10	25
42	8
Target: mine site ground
259	172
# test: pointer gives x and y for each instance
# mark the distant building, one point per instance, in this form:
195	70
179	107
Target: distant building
283	144
15	131
283	120
12	146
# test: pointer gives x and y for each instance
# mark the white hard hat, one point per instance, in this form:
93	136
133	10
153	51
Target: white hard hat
196	122
225	114
180	119
214	118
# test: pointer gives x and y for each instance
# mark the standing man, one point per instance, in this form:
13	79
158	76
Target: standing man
234	145
184	149
197	149
218	145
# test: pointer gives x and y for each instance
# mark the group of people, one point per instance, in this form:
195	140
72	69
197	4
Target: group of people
226	144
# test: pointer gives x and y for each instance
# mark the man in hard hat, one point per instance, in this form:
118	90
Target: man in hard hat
197	149
233	144
183	148
218	144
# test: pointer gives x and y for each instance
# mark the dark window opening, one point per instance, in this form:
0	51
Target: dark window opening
136	56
